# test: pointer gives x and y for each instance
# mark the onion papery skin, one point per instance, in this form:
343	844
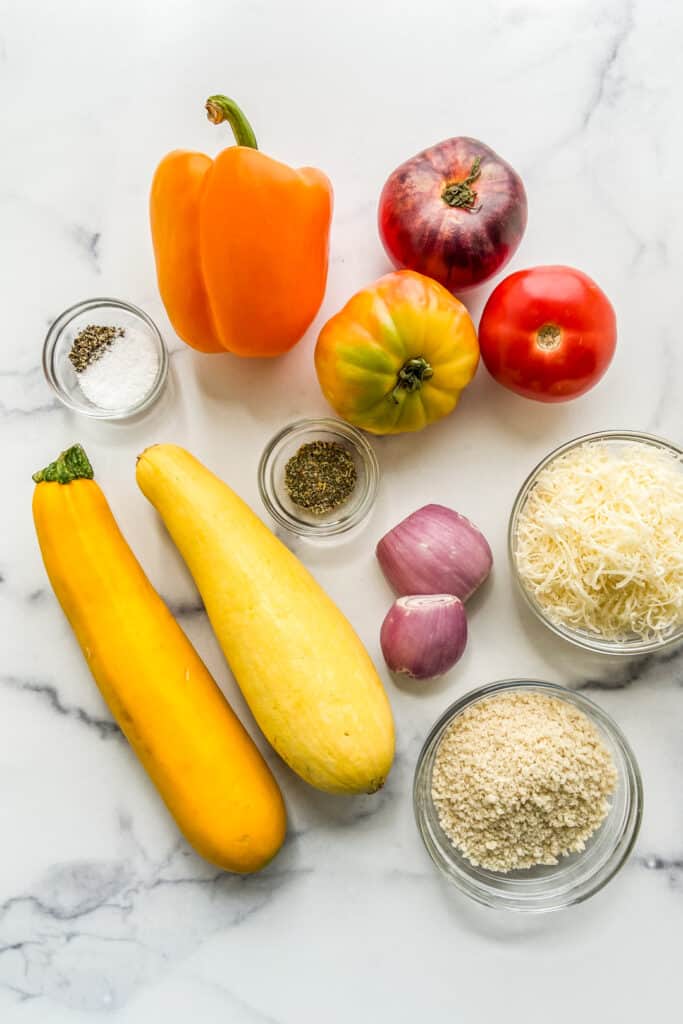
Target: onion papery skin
424	635
435	550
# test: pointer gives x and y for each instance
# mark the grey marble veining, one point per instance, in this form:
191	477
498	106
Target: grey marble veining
103	908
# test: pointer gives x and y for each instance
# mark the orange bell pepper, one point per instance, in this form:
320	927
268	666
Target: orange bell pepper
241	243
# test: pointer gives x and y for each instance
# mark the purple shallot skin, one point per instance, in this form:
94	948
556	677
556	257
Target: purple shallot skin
435	551
423	636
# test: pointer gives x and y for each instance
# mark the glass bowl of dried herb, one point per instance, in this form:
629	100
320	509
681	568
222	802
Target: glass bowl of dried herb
106	359
318	477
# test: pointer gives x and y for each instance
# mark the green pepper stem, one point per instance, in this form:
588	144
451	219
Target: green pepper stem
411	377
72	464
460	194
222	108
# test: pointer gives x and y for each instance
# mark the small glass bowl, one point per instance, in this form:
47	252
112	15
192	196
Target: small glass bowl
61	375
271	478
582	638
545	887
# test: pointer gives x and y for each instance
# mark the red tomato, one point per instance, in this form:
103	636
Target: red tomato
455	212
548	333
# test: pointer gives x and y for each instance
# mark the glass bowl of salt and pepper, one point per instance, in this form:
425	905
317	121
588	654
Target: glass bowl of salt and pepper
106	359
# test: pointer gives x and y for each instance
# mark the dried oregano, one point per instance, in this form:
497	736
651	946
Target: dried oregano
320	476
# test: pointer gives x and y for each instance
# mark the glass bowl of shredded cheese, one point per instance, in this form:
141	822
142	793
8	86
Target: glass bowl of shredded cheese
596	542
527	796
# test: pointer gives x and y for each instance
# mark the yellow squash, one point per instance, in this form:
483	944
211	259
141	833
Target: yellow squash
305	674
201	759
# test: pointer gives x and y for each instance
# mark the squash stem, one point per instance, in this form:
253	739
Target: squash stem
222	108
72	464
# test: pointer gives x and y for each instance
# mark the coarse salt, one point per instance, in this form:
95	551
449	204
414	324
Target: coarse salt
124	374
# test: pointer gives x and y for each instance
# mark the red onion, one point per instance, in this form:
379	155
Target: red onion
435	551
424	635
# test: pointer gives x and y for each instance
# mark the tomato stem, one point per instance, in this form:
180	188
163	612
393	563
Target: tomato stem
222	108
548	337
411	377
459	194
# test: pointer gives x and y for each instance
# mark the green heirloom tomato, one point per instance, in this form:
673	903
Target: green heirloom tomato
397	356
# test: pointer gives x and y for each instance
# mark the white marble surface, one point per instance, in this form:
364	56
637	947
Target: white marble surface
102	908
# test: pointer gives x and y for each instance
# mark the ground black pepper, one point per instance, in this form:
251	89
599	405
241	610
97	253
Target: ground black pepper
320	476
90	343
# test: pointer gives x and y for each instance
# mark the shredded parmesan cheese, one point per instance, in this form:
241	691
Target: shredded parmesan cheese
599	541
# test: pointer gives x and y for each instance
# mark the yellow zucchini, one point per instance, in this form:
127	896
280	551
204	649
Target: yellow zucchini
303	671
204	764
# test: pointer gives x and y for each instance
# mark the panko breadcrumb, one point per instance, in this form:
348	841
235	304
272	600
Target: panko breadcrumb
520	779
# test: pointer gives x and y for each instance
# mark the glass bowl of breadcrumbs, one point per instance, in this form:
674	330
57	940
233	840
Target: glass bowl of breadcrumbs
527	796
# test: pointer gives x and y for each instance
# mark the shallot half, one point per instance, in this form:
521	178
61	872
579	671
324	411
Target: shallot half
424	635
435	551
